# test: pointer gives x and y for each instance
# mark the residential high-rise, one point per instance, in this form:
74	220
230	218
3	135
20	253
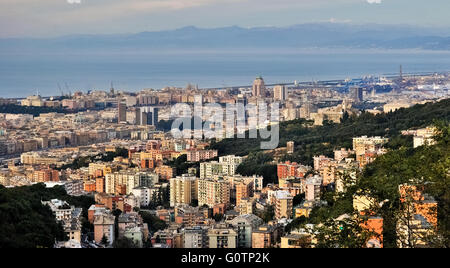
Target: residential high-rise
150	115
144	118
122	112
226	166
183	189
138	116
104	227
259	88
280	93
128	179
313	185
283	201
290	147
288	169
45	175
243	190
356	94
213	192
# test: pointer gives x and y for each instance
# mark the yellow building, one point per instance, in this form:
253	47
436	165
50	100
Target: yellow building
296	241
213	192
183	189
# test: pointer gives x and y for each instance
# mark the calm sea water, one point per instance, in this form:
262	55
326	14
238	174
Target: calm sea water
22	75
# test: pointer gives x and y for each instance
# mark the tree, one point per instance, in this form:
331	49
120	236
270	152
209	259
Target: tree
154	223
260	164
218	217
268	214
343	233
295	224
104	241
26	223
124	242
298	199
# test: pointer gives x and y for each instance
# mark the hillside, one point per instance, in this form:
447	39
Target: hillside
426	166
311	141
311	35
26	223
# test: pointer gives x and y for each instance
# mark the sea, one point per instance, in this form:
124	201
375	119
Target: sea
53	74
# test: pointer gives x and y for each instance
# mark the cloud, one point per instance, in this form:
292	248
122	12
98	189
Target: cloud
374	1
74	1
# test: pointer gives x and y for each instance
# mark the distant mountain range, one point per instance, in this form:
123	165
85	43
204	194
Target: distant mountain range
313	35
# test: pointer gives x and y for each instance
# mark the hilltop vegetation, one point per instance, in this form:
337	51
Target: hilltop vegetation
311	141
426	166
84	161
26	223
33	110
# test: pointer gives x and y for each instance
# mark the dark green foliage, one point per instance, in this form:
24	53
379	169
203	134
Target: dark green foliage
182	166
154	223
428	166
259	164
335	208
104	241
26	223
218	217
106	157
311	141
162	198
33	110
295	224
124	242
346	233
267	215
398	142
298	199
164	125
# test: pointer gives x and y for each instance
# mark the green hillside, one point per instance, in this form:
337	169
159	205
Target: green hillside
311	141
26	223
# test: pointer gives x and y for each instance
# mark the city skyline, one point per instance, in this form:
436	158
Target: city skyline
224	124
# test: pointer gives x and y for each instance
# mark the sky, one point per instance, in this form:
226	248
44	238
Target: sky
48	18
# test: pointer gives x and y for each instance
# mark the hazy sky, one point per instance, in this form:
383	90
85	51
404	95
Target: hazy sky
41	18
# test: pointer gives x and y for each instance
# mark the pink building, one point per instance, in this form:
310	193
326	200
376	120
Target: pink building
200	155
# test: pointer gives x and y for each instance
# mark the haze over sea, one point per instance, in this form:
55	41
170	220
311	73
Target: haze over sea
25	74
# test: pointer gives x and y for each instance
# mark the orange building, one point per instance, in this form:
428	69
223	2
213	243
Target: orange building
45	175
375	225
98	173
155	155
243	190
100	185
219	209
421	206
121	189
89	186
288	169
147	163
165	172
111	202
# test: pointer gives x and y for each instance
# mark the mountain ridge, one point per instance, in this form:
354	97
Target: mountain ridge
309	35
